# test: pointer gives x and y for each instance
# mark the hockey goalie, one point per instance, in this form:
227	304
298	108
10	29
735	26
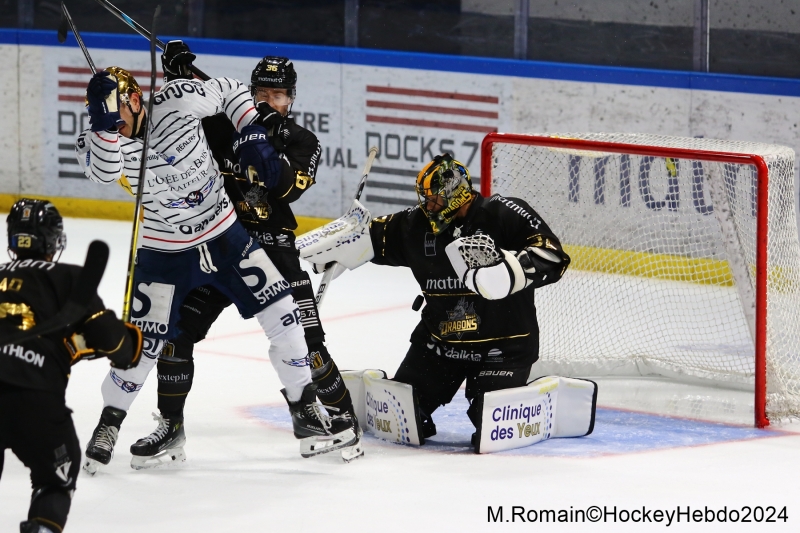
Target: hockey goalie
485	257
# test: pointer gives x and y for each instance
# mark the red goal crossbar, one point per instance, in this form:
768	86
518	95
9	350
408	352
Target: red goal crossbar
757	161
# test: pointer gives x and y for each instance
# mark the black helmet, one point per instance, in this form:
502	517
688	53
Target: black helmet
35	229
275	72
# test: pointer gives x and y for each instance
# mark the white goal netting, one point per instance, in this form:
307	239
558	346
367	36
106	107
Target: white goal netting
663	244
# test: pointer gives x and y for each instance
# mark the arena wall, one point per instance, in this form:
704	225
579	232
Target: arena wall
412	106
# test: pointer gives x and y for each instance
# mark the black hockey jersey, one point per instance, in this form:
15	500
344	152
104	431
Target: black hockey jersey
273	224
31	292
472	326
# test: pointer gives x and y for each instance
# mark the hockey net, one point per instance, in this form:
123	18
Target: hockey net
685	258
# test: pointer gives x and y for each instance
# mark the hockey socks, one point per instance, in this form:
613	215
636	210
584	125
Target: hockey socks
331	389
175	378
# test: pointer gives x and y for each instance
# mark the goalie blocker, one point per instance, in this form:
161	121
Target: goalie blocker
548	407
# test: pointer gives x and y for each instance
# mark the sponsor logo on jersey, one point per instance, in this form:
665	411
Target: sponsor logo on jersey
177	90
193	199
462	355
460	320
327	390
27	263
201	227
170	159
443	283
173	378
28	356
283	240
180	148
521	211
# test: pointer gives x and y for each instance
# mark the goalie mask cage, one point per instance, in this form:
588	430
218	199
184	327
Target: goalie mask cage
685	257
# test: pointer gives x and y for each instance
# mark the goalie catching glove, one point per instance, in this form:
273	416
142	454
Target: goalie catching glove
345	240
495	273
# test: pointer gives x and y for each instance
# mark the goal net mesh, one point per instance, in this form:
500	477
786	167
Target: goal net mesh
662	280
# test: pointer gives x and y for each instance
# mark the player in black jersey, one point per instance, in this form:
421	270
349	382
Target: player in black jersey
478	261
266	168
34	419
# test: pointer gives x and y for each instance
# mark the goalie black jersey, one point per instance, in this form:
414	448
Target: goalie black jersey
31	292
269	219
453	314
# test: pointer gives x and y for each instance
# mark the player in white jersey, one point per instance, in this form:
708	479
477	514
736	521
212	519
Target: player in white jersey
189	236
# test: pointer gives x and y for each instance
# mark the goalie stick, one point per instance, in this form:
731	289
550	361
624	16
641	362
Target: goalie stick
141	30
66	24
327	277
79	299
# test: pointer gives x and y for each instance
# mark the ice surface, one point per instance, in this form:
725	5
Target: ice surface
244	472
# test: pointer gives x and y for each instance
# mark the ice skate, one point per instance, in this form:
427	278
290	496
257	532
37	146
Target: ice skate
100	448
356	449
163	446
319	432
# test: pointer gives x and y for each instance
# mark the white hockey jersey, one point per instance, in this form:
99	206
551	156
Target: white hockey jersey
184	199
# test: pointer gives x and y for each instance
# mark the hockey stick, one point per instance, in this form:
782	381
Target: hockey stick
327	277
141	30
67	24
127	304
78	302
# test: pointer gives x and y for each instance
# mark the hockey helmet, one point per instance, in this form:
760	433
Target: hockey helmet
35	229
446	183
274	72
126	83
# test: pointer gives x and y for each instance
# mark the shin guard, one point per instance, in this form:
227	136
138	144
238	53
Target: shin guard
331	389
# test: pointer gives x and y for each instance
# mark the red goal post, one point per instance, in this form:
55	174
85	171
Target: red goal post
522	165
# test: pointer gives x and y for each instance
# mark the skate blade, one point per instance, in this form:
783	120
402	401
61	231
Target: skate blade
90	466
165	457
311	446
350	453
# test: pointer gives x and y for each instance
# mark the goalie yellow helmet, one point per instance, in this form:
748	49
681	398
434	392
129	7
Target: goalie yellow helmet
443	187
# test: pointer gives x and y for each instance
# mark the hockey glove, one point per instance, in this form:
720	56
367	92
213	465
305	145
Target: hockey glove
257	158
103	98
176	60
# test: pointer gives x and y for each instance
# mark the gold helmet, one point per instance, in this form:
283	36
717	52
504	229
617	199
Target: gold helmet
126	83
446	182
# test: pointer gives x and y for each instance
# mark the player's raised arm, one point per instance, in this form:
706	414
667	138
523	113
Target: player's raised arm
115	112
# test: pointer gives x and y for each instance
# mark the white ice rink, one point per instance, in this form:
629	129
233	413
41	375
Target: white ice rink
244	472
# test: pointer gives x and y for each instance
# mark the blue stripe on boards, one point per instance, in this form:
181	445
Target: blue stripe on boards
437	62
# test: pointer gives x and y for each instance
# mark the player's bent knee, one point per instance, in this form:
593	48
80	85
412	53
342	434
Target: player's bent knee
281	318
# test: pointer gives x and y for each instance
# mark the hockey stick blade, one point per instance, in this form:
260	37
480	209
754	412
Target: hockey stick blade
141	30
62	35
63	26
79	299
327	276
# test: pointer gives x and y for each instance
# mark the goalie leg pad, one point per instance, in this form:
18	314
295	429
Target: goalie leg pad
548	407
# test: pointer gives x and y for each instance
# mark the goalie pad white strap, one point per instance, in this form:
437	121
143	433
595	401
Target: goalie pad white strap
546	408
345	240
384	408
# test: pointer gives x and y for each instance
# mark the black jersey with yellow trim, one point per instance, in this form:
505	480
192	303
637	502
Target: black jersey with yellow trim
31	292
453	314
269	219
